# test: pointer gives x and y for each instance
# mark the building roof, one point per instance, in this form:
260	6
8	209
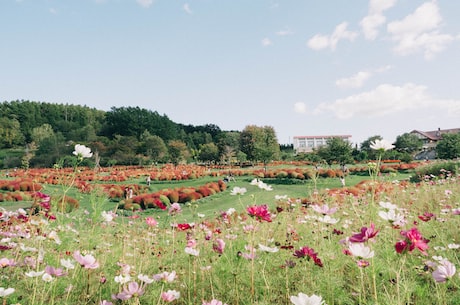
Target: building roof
319	137
436	135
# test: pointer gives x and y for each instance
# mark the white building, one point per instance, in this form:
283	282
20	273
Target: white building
306	144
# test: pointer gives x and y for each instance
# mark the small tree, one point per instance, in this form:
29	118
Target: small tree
260	143
449	146
178	151
336	150
408	142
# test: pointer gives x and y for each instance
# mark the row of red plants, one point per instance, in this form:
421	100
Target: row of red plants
163	198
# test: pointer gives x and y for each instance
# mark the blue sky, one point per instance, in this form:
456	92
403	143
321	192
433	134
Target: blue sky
329	67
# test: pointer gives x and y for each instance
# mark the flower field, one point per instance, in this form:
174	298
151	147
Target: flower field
385	242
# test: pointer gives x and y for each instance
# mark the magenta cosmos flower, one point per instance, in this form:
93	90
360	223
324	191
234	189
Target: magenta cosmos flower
88	261
364	235
259	212
414	240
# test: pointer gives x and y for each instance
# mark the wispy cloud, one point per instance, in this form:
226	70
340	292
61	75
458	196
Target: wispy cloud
375	17
187	9
300	107
359	79
355	81
387	99
145	3
420	32
284	32
266	42
319	41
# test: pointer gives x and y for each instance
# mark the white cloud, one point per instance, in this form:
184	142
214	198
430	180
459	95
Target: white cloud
145	3
379	6
319	41
355	81
266	42
419	31
284	32
187	9
53	11
375	18
387	99
358	80
300	107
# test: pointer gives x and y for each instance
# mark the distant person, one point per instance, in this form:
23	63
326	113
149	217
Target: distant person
148	180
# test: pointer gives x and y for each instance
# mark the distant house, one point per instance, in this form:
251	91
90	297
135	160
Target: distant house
306	144
430	139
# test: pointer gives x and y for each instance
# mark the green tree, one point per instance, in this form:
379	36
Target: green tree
10	133
154	147
408	142
209	152
449	146
178	151
259	143
229	145
42	132
336	150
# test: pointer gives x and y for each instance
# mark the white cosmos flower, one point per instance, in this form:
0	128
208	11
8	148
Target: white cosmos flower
5	291
122	279
67	263
381	145
303	299
328	219
82	151
268	249
34	273
145	278
107	216
238	191
388	205
393	217
47	277
192	251
360	250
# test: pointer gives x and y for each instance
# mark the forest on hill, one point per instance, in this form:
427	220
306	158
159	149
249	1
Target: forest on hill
40	134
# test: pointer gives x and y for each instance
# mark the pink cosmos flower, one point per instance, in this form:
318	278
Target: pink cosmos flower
151	222
170	295
165	276
131	290
310	254
323	209
7	262
413	240
259	212
444	271
365	234
55	271
88	261
174	209
219	246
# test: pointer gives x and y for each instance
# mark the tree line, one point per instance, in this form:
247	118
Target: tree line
40	134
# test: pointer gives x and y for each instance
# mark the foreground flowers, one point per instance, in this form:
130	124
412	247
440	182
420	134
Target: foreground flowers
303	299
444	271
414	240
259	212
381	145
81	151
